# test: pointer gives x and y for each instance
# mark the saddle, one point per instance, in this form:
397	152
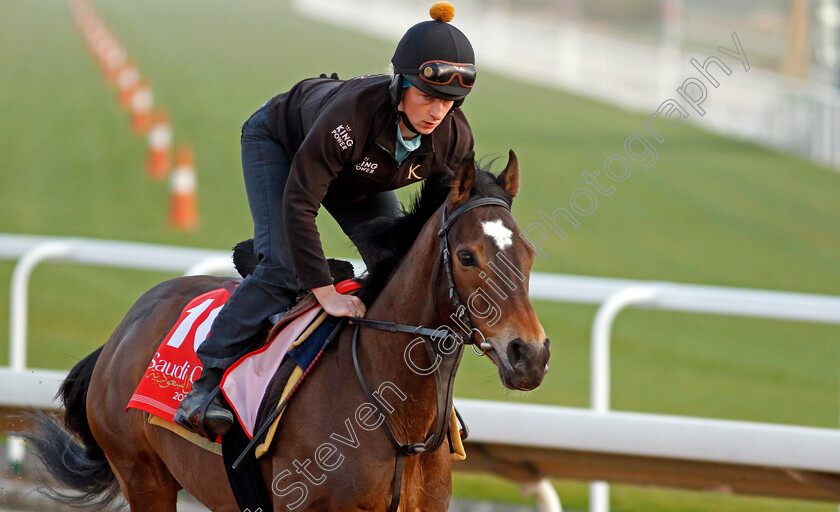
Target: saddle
175	364
245	261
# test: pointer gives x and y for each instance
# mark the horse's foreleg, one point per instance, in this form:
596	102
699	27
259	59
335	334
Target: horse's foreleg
427	482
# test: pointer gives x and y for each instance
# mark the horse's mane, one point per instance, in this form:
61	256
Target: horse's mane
391	238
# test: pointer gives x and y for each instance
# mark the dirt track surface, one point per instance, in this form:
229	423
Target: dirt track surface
20	495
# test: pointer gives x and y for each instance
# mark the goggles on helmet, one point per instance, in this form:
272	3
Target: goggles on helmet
441	72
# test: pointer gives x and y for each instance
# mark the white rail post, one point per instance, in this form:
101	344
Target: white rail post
547	498
18	310
599	492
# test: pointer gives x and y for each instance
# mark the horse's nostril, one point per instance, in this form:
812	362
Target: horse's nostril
547	343
515	352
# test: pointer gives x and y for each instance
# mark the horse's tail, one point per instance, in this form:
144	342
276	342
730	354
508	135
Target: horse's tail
70	452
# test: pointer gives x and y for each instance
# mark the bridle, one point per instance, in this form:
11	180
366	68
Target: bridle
446	257
448	359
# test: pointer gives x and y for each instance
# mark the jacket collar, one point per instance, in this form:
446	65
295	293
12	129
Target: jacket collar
387	138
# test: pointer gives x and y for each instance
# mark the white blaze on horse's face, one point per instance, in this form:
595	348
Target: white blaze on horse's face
498	232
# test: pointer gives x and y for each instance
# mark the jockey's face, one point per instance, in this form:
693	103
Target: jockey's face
425	112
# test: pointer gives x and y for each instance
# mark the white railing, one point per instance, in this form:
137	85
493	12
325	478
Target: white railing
32	251
655	435
613	295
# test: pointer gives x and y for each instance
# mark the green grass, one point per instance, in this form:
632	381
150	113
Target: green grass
712	211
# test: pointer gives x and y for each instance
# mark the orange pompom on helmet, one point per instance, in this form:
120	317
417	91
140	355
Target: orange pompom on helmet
436	57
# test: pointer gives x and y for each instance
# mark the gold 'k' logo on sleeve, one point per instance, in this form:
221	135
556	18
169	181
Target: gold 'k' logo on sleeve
411	174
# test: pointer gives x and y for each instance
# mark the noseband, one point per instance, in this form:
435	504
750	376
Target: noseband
448	359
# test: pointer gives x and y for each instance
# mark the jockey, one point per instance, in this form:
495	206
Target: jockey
345	145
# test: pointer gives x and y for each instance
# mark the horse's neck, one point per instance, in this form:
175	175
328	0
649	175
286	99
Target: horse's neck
409	297
410	294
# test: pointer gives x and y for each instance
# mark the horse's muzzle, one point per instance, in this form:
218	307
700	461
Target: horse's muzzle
528	363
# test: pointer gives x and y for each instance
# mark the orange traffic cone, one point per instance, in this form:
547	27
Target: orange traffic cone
114	60
160	146
100	42
95	34
128	80
183	214
140	105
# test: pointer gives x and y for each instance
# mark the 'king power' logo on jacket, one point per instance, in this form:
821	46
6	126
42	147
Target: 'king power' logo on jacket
367	166
341	134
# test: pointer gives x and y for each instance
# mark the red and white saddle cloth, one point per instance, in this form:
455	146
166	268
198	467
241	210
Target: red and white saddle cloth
175	365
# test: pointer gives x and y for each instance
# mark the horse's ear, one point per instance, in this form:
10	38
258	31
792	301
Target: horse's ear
509	178
463	180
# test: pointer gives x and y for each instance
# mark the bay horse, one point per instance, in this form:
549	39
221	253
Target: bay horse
326	454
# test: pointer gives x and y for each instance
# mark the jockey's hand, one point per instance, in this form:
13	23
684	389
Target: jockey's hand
337	304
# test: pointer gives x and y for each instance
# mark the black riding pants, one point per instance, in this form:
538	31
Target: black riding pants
274	284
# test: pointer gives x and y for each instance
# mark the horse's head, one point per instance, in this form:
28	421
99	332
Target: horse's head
491	264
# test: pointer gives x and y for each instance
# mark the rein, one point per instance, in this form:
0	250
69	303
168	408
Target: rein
448	359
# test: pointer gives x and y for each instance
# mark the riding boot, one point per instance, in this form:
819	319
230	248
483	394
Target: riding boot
202	410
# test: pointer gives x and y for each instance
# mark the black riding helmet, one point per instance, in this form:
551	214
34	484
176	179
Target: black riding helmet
436	57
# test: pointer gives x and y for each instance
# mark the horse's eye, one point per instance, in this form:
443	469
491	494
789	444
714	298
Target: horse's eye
466	258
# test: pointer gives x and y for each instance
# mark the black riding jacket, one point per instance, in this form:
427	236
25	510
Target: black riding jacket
342	137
